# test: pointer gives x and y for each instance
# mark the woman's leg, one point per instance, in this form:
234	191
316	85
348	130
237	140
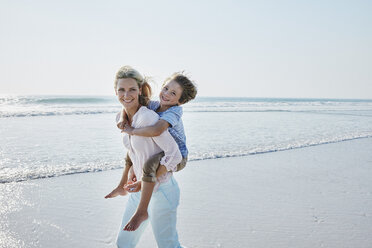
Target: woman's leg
163	214
148	184
130	239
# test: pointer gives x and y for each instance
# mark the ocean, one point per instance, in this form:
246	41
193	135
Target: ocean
48	136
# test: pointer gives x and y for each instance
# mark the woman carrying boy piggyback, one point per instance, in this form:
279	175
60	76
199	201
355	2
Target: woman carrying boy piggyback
176	90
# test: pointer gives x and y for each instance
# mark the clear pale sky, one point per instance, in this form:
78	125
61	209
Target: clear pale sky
230	48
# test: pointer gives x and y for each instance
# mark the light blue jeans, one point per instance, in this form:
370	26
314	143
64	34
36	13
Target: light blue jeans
162	216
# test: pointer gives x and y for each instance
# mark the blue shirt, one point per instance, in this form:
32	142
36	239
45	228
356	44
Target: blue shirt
173	117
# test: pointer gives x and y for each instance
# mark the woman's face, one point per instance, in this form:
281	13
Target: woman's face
170	94
128	91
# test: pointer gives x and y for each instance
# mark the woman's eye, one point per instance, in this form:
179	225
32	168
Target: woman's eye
173	93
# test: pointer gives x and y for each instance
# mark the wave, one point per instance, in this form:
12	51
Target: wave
84	100
56	113
26	100
263	150
22	174
114	109
25	174
26	106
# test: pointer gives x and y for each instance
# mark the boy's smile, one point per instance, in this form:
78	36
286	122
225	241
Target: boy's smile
170	94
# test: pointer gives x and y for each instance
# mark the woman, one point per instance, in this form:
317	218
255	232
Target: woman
133	93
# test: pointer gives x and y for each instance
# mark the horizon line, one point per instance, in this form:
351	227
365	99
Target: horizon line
202	96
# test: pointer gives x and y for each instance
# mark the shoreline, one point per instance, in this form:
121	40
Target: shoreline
320	196
203	159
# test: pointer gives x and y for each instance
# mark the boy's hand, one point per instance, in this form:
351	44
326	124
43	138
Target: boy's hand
127	129
133	187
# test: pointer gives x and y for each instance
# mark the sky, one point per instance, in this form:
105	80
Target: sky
300	49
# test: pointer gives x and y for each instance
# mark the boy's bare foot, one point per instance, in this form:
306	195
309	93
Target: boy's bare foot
117	191
136	221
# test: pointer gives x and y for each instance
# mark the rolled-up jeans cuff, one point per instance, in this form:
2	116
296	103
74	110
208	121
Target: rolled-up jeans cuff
149	179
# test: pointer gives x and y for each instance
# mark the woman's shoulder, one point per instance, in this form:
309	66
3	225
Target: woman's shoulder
146	117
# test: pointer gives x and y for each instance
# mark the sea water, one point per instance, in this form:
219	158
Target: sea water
47	136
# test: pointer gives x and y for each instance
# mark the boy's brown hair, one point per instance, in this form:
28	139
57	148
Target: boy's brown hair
189	89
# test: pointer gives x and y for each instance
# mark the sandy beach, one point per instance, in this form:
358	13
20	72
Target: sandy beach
319	196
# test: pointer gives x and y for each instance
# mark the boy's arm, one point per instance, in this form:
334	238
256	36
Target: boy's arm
150	131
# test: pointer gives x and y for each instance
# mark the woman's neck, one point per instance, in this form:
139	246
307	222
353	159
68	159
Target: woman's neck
131	112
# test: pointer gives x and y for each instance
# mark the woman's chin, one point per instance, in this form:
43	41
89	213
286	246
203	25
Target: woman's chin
131	105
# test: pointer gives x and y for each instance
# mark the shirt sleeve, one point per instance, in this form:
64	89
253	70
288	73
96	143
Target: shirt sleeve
172	155
153	105
172	115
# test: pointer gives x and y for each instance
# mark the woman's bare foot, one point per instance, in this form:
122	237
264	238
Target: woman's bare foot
136	221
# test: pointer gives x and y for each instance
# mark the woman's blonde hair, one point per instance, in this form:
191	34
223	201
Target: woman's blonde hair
145	88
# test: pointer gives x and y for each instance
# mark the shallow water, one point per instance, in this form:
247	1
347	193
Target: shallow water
46	136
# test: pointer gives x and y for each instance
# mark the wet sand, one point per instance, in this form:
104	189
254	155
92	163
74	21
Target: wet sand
318	196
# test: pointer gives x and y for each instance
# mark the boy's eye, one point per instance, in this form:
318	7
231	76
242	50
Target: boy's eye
173	93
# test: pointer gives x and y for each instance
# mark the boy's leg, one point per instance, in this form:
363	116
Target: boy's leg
150	168
182	164
147	187
163	214
127	239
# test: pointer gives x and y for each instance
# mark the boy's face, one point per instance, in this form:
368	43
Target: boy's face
170	94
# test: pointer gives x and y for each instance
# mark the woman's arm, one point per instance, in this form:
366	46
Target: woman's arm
150	131
121	120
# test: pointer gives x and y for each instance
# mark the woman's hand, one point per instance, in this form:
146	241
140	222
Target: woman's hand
161	171
117	191
123	120
121	124
133	187
131	176
127	129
